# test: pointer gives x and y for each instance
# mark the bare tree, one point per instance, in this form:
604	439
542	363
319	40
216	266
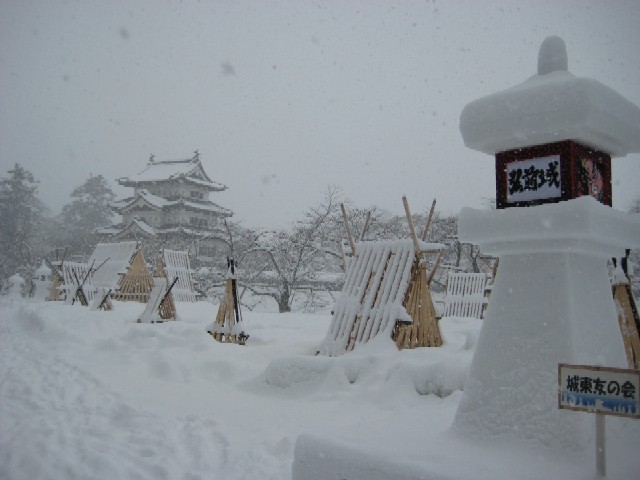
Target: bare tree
285	261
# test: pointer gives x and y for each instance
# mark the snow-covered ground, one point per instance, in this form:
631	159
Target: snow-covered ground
93	395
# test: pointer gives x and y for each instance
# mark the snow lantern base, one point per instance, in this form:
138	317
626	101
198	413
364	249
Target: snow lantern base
551	303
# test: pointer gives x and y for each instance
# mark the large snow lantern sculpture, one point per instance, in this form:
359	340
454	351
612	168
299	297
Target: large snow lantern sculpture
552	136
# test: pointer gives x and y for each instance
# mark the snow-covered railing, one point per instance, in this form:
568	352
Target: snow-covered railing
465	295
176	264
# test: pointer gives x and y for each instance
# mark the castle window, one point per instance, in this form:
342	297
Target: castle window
198	222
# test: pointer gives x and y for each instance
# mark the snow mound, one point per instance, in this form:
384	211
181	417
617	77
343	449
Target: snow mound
425	371
336	460
287	372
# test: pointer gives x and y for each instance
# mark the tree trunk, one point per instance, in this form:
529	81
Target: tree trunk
284	298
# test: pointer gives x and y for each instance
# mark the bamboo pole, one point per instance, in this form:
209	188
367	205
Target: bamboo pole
366	226
343	256
628	317
435	267
348	228
426	227
412	227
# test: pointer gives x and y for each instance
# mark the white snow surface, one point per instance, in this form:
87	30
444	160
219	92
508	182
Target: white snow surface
551	107
581	225
93	395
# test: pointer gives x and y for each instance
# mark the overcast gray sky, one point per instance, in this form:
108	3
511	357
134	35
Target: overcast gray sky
283	98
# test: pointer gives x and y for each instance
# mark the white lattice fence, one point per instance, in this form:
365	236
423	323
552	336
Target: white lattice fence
465	295
176	264
76	275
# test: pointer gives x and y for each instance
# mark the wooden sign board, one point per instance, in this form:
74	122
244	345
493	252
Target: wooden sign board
552	173
609	391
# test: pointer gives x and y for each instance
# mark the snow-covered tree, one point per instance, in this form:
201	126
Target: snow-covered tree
21	215
290	260
87	211
443	229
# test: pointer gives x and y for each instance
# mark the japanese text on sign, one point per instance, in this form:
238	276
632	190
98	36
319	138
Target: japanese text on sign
534	179
598	389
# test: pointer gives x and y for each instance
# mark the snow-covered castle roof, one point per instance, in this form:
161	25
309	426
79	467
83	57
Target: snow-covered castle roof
552	106
159	203
189	170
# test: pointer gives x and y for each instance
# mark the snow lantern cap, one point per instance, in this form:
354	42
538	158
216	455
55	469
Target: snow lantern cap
552	56
42	269
552	106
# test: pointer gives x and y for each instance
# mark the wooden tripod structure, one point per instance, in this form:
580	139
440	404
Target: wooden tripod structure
423	330
160	305
167	305
57	277
386	291
135	283
627	308
228	326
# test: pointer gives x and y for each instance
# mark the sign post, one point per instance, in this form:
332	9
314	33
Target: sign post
601	454
599	390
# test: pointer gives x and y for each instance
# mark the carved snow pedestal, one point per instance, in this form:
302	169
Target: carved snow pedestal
551	303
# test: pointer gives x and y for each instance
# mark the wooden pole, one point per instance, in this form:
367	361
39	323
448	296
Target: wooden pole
348	228
435	267
412	227
426	227
366	226
166	294
344	257
601	465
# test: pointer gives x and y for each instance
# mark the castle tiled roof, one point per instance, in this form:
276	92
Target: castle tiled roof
162	203
189	170
144	228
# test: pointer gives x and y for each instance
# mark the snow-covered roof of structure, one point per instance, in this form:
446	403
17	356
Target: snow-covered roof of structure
139	225
136	225
159	202
142	225
160	171
106	231
552	106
